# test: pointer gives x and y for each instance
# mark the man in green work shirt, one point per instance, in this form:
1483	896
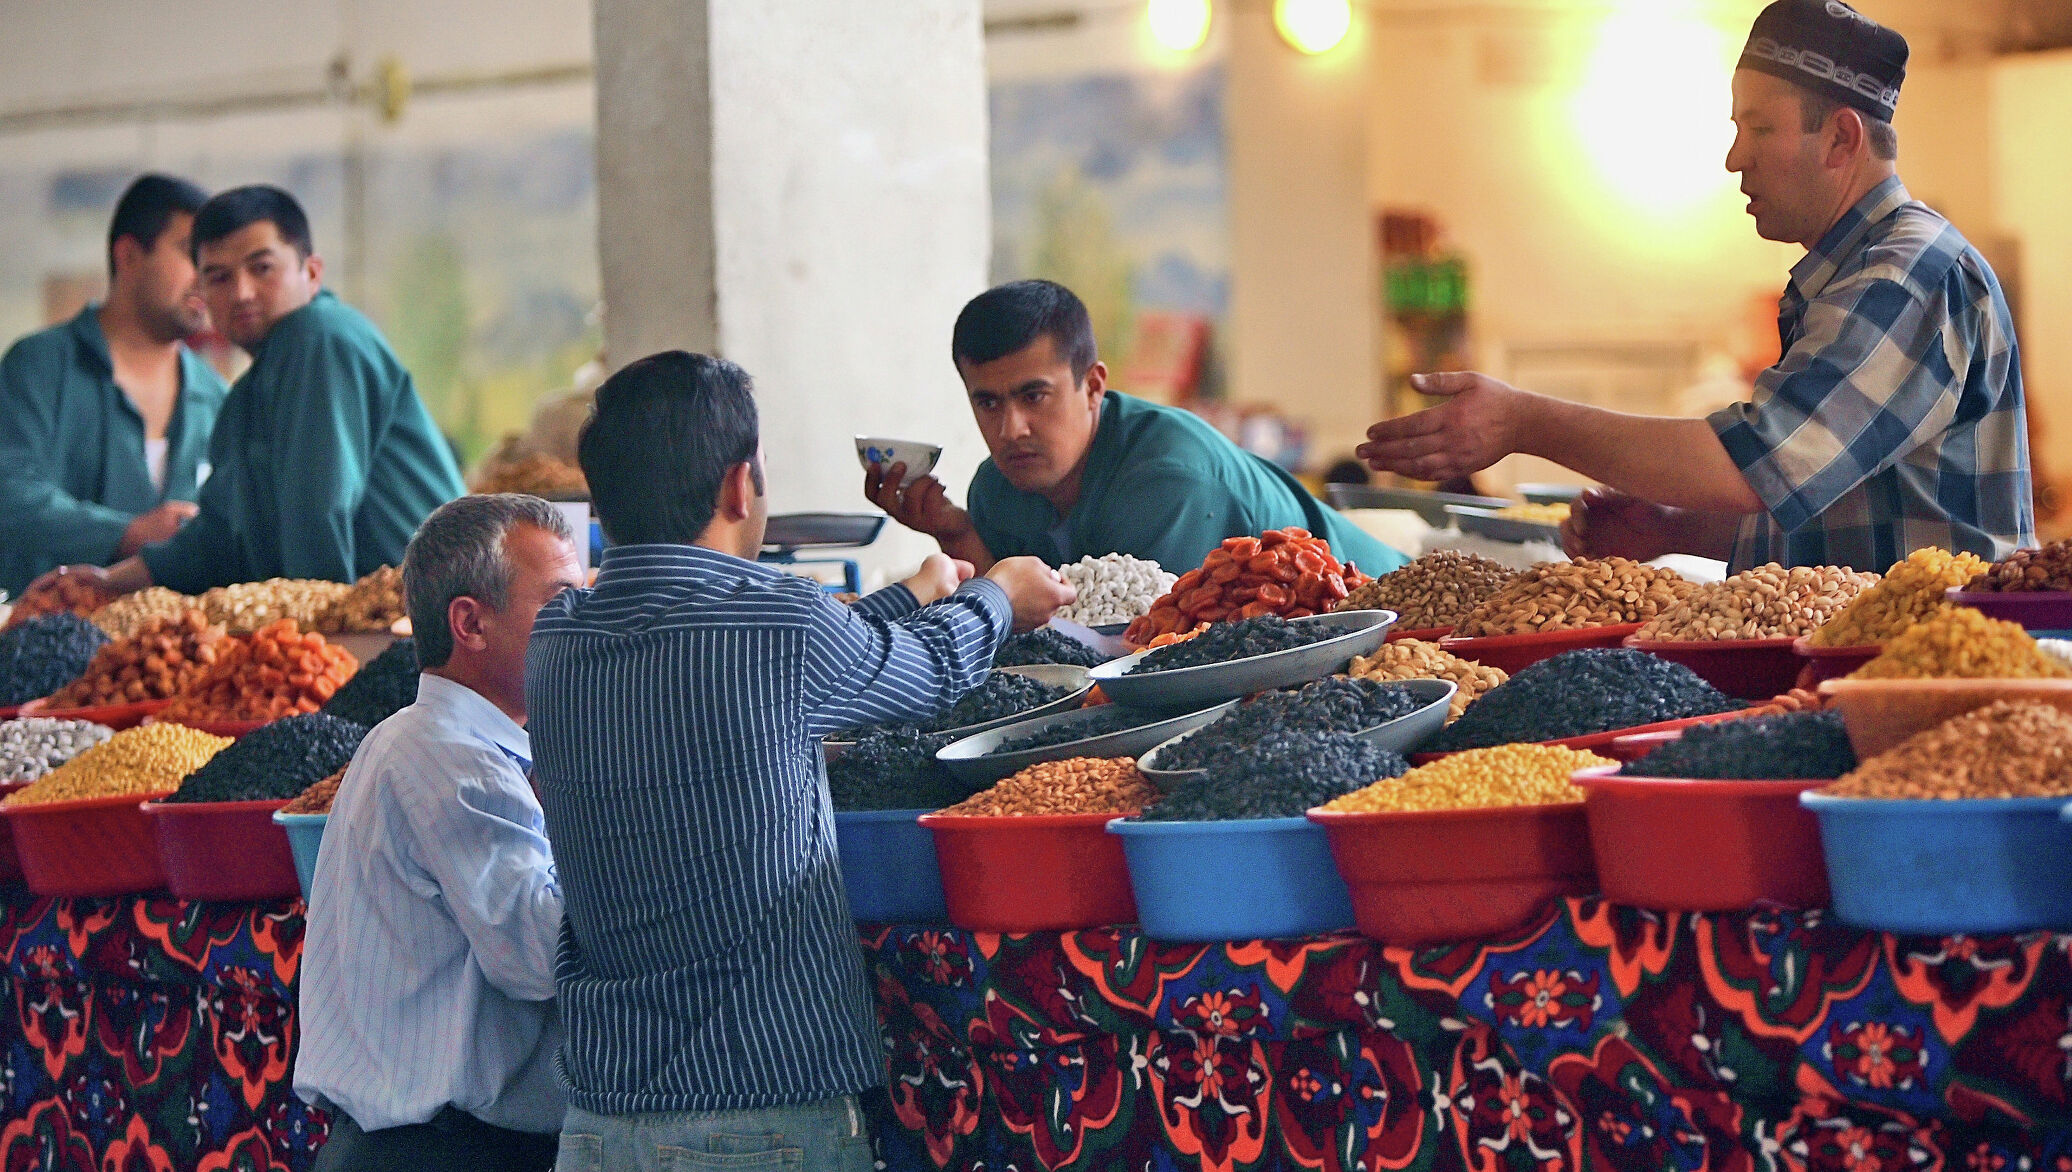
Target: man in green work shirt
1079	470
105	419
326	461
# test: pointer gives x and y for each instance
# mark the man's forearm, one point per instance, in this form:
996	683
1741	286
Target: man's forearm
129	576
1676	462
1707	535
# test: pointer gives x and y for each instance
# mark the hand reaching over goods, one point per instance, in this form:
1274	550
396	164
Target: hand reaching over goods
1561	596
1242	639
1285	572
1597	689
1416	659
164	656
1911	591
1116	588
384	686
33	746
1077	785
247	606
1044	645
2046	568
1503	775
137	762
317	798
1437	590
59	593
372	604
1767	602
1336	705
274	672
276	762
2008	749
1799	746
1280	775
127	615
893	768
1961	643
44	654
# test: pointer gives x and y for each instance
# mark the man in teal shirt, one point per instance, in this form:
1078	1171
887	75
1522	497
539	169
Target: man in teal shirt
1079	470
326	461
105	419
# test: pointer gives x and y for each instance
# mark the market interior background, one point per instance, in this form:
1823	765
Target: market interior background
813	187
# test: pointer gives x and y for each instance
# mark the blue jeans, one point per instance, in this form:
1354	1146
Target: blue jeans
827	1136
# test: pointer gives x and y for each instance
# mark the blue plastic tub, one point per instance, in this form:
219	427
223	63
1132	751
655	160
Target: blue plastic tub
1254	879
305	835
1969	866
888	865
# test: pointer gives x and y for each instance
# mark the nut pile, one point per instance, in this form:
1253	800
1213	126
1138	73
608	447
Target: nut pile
244	607
2008	749
1767	602
65	594
2047	568
274	672
1335	705
164	656
386	685
1961	643
893	768
127	615
1799	746
1223	642
1592	592
1416	659
1597	689
533	472
133	762
44	654
33	746
317	798
1911	591
1437	590
1278	776
1116	588
1506	775
275	762
1076	785
1044	645
373	603
1285	572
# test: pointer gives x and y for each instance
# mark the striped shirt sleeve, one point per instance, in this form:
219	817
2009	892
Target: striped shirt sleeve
862	670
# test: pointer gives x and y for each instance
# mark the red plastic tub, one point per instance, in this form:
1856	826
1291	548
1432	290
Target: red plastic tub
1754	669
1830	663
1428	634
115	716
10	859
10	711
1042	873
89	847
229	851
1513	653
1424	877
2035	610
1709	846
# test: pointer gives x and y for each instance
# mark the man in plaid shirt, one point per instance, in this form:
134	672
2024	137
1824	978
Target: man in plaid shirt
1893	421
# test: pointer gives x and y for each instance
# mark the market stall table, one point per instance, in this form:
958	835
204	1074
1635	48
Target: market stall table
147	1032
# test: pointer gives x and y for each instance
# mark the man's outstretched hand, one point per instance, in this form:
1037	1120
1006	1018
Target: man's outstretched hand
1474	424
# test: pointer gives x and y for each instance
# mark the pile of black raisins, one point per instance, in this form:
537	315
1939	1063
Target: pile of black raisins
384	686
1044	645
43	654
1002	694
1111	719
275	761
1242	639
1576	693
893	768
1335	705
1794	746
1280	775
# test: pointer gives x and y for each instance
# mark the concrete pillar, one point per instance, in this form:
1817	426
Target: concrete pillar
800	186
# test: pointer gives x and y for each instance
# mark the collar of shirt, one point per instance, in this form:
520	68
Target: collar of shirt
635	563
470	709
92	341
259	347
1824	260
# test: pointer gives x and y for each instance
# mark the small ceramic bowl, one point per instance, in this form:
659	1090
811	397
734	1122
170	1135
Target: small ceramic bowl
918	457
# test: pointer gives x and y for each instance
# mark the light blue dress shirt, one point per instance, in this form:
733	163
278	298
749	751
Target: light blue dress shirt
428	962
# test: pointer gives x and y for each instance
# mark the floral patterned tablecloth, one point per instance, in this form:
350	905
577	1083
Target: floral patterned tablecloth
147	1033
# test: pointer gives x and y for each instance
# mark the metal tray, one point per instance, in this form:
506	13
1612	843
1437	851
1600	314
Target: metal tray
1055	674
1429	505
1188	689
789	531
1401	735
972	759
1486	523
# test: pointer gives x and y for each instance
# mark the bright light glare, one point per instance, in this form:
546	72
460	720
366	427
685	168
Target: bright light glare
1179	25
1313	26
1652	110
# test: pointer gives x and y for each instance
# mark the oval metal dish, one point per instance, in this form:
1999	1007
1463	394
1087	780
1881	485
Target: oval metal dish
1401	735
973	760
1191	688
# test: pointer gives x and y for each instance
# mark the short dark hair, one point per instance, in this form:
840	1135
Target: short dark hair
1007	318
659	442
1815	108
459	553
240	207
147	206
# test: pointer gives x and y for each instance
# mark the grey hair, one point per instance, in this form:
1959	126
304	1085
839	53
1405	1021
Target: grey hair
459	553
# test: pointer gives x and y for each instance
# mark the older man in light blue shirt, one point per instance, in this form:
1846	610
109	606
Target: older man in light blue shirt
428	1019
